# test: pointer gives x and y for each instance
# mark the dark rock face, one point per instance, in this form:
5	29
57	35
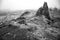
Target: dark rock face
45	6
39	12
44	11
58	37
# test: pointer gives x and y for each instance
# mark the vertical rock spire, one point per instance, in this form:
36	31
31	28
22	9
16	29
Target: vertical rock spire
45	6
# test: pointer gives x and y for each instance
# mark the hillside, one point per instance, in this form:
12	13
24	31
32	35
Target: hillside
36	28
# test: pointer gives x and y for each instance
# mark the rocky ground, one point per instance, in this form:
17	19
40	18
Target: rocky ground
36	29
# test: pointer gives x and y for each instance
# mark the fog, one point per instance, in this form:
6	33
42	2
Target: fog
26	4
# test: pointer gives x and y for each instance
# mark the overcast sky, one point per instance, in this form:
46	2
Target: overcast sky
26	4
